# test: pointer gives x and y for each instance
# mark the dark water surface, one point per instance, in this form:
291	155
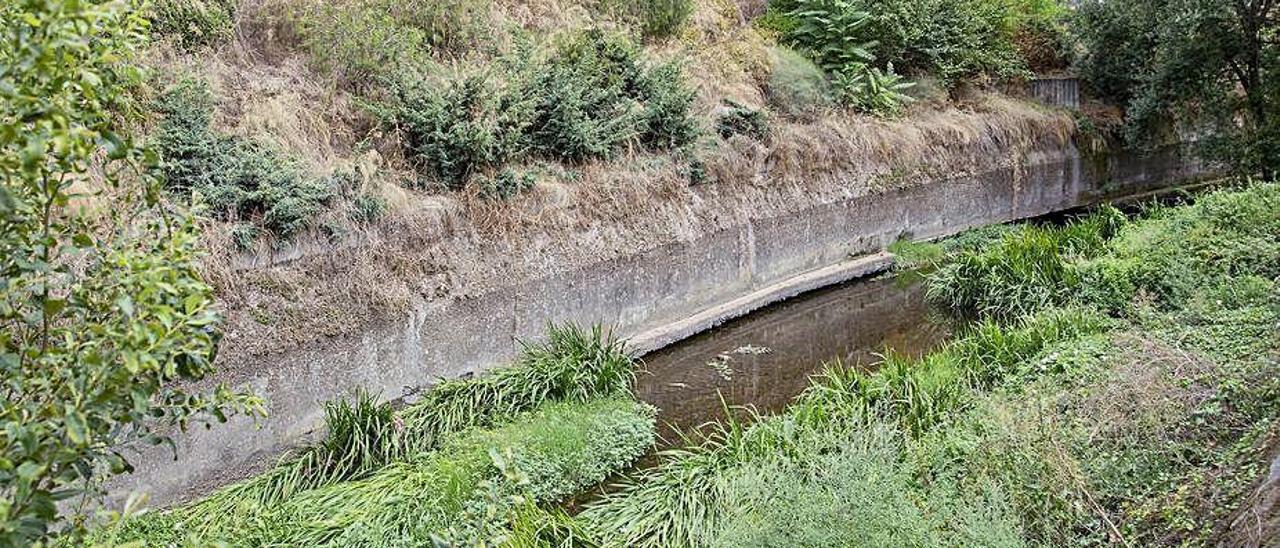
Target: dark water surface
765	359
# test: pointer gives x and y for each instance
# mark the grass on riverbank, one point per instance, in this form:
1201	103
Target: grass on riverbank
1121	391
573	365
476	483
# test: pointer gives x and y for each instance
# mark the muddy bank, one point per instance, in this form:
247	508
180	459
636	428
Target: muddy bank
640	293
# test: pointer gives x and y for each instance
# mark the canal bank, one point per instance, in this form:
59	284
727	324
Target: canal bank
694	284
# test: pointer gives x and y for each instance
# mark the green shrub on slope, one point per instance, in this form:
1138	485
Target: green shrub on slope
237	178
586	98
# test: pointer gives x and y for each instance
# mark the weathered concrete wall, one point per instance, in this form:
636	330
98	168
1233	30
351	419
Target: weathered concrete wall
1057	92
638	294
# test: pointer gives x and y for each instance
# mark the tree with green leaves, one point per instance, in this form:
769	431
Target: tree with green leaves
1178	66
103	314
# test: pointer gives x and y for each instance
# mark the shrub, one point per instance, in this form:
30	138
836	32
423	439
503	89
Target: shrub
588	97
656	18
194	23
664	18
668	100
108	329
363	40
584	99
870	89
238	178
459	127
738	119
833	33
797	87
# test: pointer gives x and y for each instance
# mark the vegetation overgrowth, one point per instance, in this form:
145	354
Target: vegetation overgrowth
1188	68
573	365
472	483
295	109
1139	411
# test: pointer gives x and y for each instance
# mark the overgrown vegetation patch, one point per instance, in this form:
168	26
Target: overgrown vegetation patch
1136	412
238	179
574	367
586	98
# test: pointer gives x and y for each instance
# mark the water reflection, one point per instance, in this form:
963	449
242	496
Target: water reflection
765	359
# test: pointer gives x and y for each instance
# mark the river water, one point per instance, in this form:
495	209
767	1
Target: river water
763	360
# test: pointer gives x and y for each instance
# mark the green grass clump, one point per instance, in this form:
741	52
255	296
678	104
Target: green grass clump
478	475
656	19
573	365
239	179
796	86
679	502
361	41
562	448
1026	269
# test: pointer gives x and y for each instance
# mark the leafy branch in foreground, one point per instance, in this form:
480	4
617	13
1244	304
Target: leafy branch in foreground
101	313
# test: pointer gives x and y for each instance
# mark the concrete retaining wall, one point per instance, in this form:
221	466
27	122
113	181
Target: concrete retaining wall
1057	92
766	258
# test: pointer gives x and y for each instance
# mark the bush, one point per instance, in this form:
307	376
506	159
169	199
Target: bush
738	119
239	179
362	40
797	87
460	127
194	23
584	99
656	18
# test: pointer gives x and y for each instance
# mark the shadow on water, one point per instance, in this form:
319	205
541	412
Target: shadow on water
765	359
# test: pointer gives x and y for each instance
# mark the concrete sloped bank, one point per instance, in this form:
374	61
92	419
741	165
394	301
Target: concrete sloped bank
656	296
